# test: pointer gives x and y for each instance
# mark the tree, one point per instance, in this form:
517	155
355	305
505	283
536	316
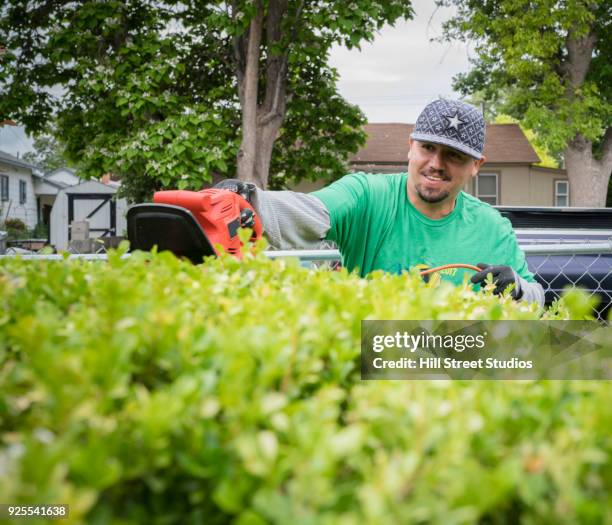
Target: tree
547	63
47	153
165	94
547	159
281	31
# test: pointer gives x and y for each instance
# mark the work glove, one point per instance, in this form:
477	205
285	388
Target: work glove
245	189
503	276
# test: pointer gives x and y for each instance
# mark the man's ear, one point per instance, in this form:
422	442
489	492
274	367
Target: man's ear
410	143
477	164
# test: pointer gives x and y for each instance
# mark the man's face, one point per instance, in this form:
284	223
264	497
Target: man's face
438	173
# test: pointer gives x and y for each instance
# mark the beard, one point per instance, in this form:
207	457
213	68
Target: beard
431	196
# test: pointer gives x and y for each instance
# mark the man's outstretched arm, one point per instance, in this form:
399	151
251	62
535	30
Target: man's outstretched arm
291	220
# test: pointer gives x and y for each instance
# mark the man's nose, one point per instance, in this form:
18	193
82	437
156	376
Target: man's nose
435	161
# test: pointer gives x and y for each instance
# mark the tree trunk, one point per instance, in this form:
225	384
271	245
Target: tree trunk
248	87
266	136
588	177
261	122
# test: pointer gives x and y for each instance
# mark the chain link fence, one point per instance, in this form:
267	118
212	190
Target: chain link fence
586	265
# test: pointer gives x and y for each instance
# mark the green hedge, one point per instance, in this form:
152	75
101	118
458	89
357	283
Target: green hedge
149	390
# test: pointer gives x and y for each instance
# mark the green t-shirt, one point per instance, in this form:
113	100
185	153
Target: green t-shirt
376	227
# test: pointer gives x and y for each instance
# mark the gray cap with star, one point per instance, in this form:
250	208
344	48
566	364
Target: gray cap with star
452	123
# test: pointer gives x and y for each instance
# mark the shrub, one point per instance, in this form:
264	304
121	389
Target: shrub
15	228
149	390
15	224
40	231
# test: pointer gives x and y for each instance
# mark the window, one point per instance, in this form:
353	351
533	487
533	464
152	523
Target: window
4	187
561	193
486	187
22	191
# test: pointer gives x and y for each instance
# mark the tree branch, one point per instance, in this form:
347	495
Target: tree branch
247	154
580	142
606	148
239	48
276	70
280	87
252	56
298	16
579	56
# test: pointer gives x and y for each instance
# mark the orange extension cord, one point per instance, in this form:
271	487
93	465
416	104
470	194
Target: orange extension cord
445	266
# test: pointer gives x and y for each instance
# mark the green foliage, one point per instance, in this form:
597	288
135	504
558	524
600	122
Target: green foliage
15	228
149	390
40	231
299	153
15	224
47	154
148	91
522	66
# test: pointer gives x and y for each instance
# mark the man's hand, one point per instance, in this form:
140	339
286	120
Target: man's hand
245	189
503	276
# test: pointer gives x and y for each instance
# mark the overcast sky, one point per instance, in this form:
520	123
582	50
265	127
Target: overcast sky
391	79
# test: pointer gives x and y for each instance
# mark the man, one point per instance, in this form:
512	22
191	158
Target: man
396	222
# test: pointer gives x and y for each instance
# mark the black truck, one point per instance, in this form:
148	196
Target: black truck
567	247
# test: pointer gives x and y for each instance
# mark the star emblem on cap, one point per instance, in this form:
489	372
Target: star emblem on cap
454	121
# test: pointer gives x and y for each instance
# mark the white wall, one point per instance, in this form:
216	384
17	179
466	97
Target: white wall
27	211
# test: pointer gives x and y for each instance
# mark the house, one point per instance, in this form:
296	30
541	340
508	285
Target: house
26	193
57	198
17	195
509	177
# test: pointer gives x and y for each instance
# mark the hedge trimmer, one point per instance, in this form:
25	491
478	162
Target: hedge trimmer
192	224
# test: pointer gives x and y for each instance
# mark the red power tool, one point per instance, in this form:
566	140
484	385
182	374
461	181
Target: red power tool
192	223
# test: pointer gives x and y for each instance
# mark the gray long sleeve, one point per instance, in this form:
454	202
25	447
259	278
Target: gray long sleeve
531	291
292	220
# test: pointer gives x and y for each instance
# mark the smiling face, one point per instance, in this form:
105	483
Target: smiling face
437	174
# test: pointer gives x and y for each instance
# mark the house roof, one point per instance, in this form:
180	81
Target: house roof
71	171
63	177
10	159
388	143
89	186
507	144
57	184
